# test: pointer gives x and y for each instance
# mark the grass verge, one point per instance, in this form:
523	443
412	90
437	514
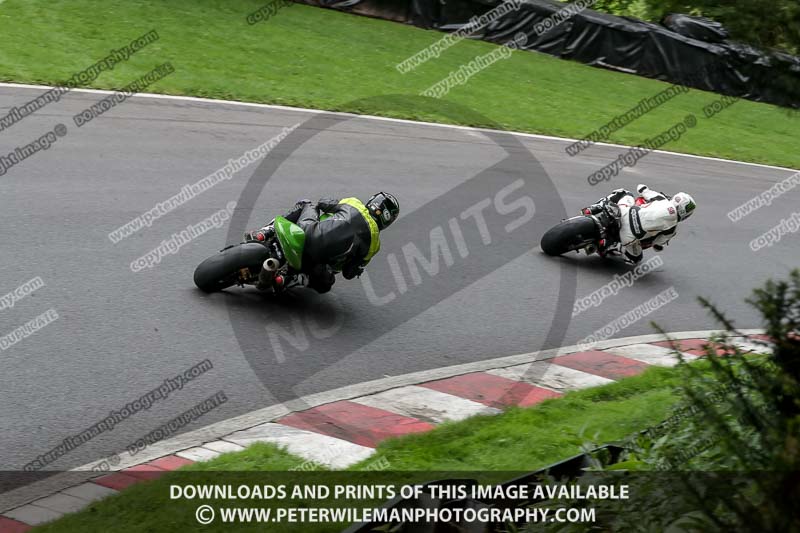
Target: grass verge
486	447
311	57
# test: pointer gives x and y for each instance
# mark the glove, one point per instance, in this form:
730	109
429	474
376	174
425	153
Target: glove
352	271
613	210
327	205
616	195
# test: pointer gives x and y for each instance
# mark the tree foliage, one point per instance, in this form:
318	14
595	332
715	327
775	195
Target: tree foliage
729	458
766	23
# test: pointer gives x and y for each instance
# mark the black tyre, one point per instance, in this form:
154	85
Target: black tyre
572	234
220	271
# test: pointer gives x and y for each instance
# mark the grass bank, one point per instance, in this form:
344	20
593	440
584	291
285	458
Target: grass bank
311	57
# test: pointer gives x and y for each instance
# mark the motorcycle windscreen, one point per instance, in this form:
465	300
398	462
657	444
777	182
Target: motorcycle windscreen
292	239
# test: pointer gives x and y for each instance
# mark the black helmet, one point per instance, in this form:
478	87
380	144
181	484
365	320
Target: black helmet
384	208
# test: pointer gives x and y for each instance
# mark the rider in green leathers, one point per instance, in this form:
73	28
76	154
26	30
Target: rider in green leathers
344	241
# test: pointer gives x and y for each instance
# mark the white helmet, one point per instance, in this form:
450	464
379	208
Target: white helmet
684	204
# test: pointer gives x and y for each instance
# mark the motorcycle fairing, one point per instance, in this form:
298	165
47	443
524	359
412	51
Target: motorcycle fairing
292	239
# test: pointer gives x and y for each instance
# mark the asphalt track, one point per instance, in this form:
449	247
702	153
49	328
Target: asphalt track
122	333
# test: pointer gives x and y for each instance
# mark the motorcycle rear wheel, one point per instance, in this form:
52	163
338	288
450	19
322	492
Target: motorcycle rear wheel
221	270
570	235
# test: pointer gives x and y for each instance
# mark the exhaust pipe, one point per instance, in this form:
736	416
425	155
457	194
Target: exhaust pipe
267	274
271	264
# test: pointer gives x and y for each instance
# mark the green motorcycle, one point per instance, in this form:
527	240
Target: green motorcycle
274	264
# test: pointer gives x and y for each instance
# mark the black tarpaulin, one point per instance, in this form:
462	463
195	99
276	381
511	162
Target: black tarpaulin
619	43
699	28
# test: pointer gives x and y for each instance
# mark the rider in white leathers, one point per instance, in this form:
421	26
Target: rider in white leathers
653	215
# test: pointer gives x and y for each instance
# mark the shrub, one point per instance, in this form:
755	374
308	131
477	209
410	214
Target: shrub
729	459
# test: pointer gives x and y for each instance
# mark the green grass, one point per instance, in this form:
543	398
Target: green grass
518	440
313	57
